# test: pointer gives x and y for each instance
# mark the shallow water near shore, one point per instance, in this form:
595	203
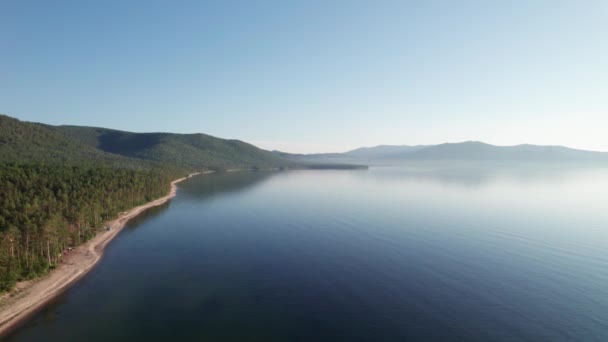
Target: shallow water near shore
428	252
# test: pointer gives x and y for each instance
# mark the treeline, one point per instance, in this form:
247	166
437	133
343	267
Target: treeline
45	209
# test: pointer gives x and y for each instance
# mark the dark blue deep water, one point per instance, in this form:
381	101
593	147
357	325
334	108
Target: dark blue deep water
473	253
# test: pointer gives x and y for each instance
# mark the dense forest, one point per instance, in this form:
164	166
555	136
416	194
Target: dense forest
45	209
60	184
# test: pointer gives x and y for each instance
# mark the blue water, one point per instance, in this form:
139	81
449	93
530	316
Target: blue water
425	252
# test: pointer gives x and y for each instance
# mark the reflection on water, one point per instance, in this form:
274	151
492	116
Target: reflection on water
147	215
213	184
419	252
478	174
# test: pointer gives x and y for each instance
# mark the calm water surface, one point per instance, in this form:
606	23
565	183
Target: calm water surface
388	254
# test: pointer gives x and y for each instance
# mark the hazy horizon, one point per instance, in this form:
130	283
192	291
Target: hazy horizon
262	144
312	76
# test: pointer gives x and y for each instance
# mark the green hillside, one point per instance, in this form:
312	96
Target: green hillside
57	192
25	142
60	184
187	150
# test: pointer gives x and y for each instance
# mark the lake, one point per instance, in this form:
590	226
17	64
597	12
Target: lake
423	252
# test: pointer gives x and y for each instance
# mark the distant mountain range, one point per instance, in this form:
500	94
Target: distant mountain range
464	151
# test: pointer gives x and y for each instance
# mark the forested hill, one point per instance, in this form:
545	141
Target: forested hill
24	142
60	184
188	150
32	142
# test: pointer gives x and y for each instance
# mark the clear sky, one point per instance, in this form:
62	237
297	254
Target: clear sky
314	76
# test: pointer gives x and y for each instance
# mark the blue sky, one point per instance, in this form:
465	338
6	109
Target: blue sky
314	76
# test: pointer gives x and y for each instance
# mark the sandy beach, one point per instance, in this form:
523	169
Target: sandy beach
29	296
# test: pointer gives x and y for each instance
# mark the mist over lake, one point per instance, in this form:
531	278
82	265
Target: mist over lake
427	251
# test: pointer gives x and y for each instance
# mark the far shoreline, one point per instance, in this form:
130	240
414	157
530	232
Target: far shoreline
29	296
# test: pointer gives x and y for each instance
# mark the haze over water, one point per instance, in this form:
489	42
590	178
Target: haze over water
430	252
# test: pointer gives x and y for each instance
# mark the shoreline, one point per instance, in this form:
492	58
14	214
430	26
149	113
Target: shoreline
29	296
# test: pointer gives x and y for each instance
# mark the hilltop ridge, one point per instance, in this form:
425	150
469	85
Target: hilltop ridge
28	142
462	151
